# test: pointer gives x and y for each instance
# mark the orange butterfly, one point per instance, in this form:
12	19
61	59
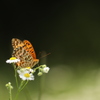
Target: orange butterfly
24	51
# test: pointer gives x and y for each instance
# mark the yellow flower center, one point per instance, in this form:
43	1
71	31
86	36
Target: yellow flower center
27	75
28	67
12	58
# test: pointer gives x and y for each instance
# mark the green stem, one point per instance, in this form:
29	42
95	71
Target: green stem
10	98
18	91
16	78
17	95
22	82
40	90
15	69
22	85
37	68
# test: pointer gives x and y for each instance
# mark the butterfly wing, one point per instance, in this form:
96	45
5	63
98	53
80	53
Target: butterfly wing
26	60
21	52
30	48
17	43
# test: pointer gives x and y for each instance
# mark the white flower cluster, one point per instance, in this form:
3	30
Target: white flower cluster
43	69
26	73
9	86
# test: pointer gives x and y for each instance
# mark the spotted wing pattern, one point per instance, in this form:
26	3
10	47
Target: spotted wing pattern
24	51
30	48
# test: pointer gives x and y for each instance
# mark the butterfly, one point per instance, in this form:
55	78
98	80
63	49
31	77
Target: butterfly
24	51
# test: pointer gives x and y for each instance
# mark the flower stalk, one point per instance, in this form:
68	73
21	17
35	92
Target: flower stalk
26	75
9	87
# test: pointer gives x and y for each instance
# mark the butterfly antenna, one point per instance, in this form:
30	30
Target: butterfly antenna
45	55
39	54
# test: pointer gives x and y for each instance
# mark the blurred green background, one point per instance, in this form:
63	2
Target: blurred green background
70	31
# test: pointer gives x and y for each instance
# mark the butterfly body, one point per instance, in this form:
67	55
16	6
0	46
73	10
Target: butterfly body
24	51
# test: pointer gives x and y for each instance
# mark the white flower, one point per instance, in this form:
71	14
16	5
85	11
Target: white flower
12	60
46	69
25	74
40	73
9	86
30	70
26	69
